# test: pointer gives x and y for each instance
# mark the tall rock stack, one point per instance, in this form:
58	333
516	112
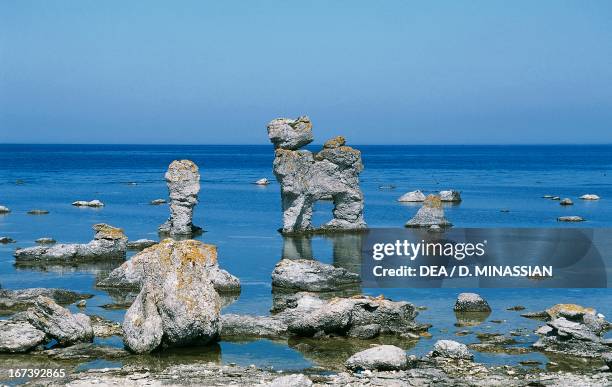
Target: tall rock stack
305	177
183	179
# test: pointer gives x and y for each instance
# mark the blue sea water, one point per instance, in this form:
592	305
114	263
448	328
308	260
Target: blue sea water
242	219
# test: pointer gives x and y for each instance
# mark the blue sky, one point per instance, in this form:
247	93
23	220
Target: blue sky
378	72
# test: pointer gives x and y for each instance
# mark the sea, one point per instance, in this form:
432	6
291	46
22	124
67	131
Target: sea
243	219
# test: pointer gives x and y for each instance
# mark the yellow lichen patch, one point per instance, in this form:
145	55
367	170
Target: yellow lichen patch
432	201
553	312
106	231
334	142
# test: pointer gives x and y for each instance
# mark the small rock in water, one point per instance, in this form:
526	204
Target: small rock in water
572	218
504	210
379	358
85	203
45	241
516	308
566	202
589	197
471	302
38	212
263	181
555	198
450	196
4	210
140	244
387	186
4	240
413	196
451	349
81	304
435	228
548	196
431	213
157	202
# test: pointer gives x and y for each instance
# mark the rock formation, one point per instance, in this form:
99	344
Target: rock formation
381	357
430	214
450	196
183	179
19	336
177	304
12	301
589	197
305	177
130	274
311	275
85	203
412	196
109	243
471	302
451	349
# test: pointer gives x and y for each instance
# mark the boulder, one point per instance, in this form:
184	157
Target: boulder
305	177
157	202
183	180
590	197
430	214
57	322
379	358
234	325
413	196
450	196
294	380
451	350
19	336
5	240
4	210
471	302
572	218
566	202
131	273
85	203
140	244
262	181
45	241
286	133
572	311
311	275
177	305
109	243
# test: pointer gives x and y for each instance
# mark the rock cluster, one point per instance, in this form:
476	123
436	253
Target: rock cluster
430	214
131	274
177	305
109	243
311	275
573	330
305	177
183	180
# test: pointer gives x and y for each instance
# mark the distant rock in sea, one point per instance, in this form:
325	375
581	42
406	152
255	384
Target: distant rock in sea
5	240
45	241
84	203
412	196
572	218
590	197
566	202
450	196
38	212
262	181
157	202
4	210
183	180
430	214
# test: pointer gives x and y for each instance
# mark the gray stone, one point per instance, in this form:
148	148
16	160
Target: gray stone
45	241
85	203
365	332
58	323
38	212
183	180
286	133
607	358
572	218
452	350
295	380
81	304
306	178
234	325
4	210
380	358
12	301
157	202
450	196
262	181
311	275
19	336
471	302
566	202
590	197
413	196
430	214
140	244
177	305
5	240
131	273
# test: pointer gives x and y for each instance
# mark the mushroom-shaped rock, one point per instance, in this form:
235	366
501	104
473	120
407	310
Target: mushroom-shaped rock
451	349
450	196
311	275
430	214
183	180
287	133
177	305
471	302
58	323
379	358
412	196
19	336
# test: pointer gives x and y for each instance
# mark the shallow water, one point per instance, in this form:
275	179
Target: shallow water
242	219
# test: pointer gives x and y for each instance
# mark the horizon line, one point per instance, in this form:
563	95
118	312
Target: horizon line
311	144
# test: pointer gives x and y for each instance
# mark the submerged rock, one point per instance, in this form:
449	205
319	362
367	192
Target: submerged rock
140	244
566	202
590	197
57	322
4	210
450	196
430	214
262	181
471	302
381	358
5	240
19	336
572	218
131	274
183	180
109	243
311	275
38	212
413	196
157	202
85	203
177	305
305	177
451	350
12	301
45	241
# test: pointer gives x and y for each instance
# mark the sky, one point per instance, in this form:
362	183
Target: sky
377	72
